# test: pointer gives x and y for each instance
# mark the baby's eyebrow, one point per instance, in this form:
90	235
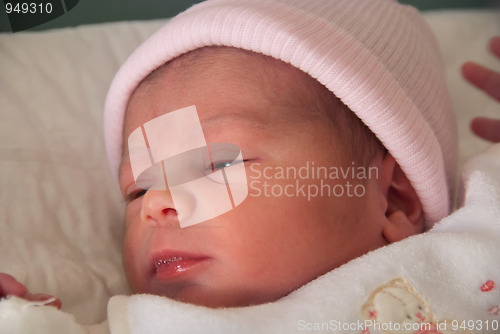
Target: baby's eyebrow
248	118
123	161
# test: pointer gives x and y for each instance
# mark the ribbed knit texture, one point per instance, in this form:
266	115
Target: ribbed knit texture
379	57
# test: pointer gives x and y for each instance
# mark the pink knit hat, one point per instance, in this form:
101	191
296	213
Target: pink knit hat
379	57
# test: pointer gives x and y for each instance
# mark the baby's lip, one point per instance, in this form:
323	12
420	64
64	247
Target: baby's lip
169	264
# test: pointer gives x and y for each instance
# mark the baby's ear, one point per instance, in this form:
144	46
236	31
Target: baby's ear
404	214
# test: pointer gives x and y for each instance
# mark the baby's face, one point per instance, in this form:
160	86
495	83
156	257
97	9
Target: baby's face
270	244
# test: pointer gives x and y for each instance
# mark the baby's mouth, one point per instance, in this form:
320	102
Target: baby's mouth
172	266
168	262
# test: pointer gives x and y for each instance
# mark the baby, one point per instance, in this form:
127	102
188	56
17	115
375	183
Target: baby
266	246
350	85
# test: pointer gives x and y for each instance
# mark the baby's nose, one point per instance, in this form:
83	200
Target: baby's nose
158	209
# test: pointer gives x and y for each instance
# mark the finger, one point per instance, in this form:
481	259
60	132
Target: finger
41	297
495	45
10	286
487	128
483	78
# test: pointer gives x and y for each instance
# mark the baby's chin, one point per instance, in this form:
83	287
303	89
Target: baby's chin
208	297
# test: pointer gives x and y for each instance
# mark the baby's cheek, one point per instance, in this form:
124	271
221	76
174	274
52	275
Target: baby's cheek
132	242
133	213
131	249
134	234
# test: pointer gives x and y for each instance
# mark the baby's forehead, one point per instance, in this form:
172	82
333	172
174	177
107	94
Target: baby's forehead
258	75
241	64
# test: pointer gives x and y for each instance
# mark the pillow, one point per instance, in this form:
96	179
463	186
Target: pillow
60	211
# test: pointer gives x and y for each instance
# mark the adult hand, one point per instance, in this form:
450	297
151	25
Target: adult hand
9	286
488	81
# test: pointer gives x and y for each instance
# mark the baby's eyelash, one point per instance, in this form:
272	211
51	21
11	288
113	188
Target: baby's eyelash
136	194
140	193
224	164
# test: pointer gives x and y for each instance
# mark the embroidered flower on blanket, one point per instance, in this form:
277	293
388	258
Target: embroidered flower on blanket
396	308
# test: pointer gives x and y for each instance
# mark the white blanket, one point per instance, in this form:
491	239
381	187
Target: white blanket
449	276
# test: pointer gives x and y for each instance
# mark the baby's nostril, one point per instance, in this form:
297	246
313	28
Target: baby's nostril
169	211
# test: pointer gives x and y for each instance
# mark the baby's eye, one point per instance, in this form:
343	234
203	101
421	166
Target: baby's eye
210	168
224	164
140	193
215	174
136	194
